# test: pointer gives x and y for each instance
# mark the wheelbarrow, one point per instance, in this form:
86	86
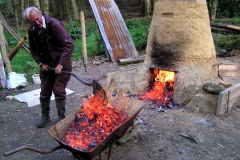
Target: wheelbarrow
58	131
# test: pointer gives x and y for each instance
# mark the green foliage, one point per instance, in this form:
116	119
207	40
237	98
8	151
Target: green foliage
21	63
233	21
228	9
212	88
226	41
138	30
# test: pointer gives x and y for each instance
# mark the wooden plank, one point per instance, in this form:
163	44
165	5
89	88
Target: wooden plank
226	85
228	67
227	99
117	40
131	60
230	73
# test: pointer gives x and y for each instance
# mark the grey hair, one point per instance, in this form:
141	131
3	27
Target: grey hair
27	12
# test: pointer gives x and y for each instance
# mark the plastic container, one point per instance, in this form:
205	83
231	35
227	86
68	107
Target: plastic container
36	79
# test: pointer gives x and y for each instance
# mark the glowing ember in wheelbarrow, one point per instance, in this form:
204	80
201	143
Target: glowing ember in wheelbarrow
163	87
92	124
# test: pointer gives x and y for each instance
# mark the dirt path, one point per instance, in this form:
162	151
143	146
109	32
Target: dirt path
156	136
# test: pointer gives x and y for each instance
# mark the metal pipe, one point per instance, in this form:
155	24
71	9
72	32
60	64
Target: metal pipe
76	76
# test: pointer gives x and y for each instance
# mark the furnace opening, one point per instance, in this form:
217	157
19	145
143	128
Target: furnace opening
162	87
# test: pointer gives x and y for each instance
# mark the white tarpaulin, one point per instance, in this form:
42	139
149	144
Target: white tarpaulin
32	97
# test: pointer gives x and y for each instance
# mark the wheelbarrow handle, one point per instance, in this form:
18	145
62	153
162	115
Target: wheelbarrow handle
78	77
32	149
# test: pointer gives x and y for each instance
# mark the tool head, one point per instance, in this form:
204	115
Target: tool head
97	89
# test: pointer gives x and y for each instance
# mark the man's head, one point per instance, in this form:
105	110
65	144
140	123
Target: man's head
33	16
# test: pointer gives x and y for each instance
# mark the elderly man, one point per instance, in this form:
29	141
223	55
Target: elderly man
51	47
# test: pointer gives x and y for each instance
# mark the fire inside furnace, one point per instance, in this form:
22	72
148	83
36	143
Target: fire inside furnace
92	124
163	88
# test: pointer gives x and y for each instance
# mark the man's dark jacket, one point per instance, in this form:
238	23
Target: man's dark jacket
60	44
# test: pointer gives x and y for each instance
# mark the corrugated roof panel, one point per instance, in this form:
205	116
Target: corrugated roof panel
115	34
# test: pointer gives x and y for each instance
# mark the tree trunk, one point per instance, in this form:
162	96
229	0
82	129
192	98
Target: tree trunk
16	14
213	9
37	4
82	6
75	10
53	8
66	7
62	9
148	7
45	6
10	12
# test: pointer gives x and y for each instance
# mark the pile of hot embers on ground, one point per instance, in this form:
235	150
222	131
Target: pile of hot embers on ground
97	120
161	94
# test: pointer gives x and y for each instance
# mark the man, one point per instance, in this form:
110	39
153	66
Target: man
51	47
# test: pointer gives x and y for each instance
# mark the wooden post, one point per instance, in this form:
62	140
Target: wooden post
84	49
17	47
3	81
4	49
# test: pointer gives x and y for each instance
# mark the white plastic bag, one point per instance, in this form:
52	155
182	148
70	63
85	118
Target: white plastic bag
15	80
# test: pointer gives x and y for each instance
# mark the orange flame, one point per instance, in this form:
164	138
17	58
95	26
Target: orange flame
163	80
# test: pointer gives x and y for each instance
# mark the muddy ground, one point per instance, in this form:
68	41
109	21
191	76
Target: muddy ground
156	136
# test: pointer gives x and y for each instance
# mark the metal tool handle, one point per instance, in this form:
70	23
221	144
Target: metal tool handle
78	77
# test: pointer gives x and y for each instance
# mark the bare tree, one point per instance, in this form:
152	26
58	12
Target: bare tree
45	6
62	9
37	4
75	10
147	6
213	9
16	14
9	10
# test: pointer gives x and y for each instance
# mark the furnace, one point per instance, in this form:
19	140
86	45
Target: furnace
179	41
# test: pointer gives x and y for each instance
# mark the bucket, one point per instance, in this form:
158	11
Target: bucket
36	79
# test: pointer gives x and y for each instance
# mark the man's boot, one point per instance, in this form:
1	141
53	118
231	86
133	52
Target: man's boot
60	104
45	106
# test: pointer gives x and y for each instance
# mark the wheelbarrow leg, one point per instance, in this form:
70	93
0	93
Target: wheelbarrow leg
100	156
109	152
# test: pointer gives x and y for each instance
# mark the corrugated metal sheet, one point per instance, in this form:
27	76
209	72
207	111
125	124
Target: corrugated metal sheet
115	34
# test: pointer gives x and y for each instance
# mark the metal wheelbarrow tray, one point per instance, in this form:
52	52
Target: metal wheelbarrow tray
59	130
